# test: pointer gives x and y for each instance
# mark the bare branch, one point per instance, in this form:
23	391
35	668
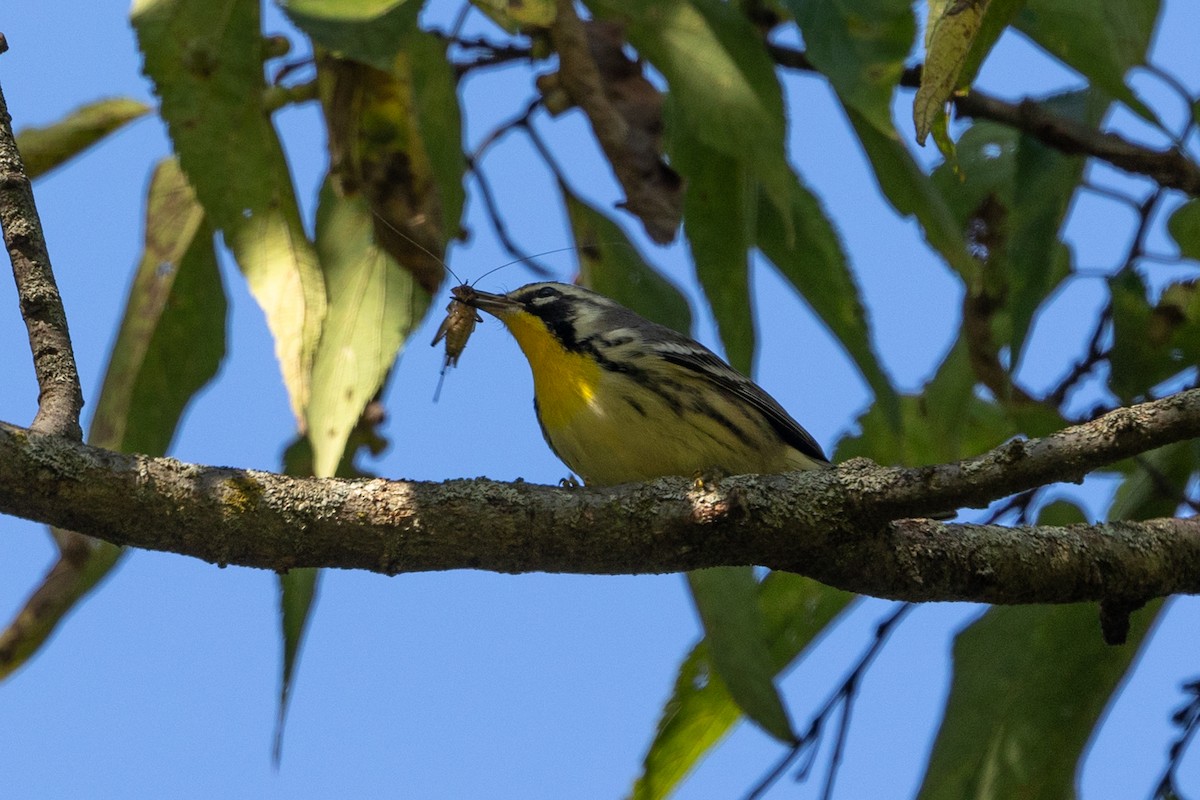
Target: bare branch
836	525
60	398
1169	168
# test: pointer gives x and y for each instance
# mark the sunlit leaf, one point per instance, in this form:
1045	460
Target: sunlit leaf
373	306
610	264
43	149
514	15
206	62
1030	683
1102	39
795	611
860	46
816	266
952	28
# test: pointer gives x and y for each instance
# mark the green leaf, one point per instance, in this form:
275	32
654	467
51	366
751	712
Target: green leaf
816	266
727	600
172	338
368	31
1156	482
951	31
1184	227
911	193
610	264
439	121
723	91
206	62
983	171
795	610
1045	182
169	345
860	46
373	306
297	592
514	15
1143	354
43	149
1061	513
718	220
1030	684
1102	39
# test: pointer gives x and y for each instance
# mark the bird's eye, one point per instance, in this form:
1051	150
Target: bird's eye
546	291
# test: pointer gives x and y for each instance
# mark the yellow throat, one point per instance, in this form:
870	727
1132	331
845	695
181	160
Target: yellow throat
563	382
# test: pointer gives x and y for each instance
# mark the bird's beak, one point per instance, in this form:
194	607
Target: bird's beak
497	305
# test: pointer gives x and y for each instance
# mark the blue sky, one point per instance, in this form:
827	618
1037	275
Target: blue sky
468	684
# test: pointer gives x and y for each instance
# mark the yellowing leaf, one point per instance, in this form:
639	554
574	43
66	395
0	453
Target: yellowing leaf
43	149
950	36
206	63
373	305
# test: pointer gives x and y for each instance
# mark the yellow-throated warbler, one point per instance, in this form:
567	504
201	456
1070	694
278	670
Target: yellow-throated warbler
622	399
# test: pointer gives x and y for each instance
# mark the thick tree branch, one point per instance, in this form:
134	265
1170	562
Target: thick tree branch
1169	168
834	525
60	398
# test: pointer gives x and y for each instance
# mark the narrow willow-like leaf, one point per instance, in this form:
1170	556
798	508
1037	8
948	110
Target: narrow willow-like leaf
911	192
816	266
1030	684
795	611
206	63
43	149
1044	183
860	46
952	28
610	264
719	211
439	121
373	306
1102	39
297	592
734	628
169	345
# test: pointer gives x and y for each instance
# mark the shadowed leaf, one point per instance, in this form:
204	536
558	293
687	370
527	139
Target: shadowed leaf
795	611
43	149
735	630
610	264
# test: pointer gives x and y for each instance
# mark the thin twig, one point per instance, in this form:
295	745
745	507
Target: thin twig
842	697
1170	168
60	398
1187	718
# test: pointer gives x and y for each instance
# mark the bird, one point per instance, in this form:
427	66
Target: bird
622	399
